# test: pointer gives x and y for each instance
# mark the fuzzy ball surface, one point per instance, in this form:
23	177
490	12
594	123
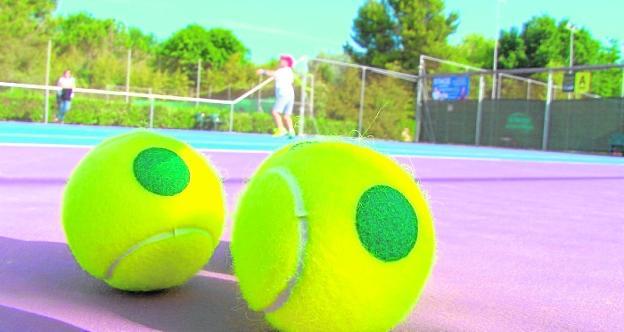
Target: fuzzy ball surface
143	212
332	236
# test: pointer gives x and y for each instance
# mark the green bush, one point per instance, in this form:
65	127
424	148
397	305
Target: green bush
21	105
335	127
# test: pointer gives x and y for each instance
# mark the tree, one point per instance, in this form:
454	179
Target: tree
543	42
374	32
235	73
186	47
399	31
24	30
423	28
21	18
512	50
96	49
88	34
475	50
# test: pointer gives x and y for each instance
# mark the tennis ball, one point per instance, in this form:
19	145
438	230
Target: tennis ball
332	236
143	212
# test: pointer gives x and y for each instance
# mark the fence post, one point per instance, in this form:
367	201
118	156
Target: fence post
128	71
151	116
312	94
362	95
259	101
547	112
304	83
419	92
479	110
46	103
528	89
622	93
198	83
231	116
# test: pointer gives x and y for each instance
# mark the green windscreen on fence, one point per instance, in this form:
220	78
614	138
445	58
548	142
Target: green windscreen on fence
513	123
585	125
575	125
449	122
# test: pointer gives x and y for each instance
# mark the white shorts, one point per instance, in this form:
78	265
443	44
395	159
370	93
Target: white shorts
284	104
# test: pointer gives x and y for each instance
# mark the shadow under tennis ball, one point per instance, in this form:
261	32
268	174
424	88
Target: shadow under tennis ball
35	272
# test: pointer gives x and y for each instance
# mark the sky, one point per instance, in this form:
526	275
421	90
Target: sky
272	27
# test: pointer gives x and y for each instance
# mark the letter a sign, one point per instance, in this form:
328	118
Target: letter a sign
583	82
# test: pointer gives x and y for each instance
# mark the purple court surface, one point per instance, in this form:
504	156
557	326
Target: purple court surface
522	246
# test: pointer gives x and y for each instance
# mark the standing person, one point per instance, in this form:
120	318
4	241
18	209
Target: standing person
67	83
284	96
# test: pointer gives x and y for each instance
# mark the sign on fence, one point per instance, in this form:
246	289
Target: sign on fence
451	88
583	82
569	80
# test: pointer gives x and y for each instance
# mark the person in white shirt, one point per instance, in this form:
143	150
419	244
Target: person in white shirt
284	96
67	83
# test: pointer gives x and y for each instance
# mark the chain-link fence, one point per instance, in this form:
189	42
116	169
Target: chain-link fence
562	109
130	87
518	108
352	100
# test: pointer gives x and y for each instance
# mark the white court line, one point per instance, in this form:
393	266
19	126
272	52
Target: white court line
52	145
405	152
89	147
104	137
398	151
50	136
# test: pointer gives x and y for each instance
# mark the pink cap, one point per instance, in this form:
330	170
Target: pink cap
288	59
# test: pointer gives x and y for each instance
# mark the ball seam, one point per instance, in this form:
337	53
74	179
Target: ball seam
154	239
301	214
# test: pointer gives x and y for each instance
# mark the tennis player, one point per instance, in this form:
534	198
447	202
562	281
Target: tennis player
284	96
67	83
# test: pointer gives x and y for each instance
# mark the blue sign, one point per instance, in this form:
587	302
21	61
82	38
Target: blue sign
451	88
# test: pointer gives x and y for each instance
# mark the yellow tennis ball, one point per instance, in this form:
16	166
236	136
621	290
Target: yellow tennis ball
143	212
331	236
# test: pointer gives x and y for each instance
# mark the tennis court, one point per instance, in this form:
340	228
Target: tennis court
527	240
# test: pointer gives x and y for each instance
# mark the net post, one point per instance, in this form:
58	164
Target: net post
547	112
479	110
362	95
231	116
46	103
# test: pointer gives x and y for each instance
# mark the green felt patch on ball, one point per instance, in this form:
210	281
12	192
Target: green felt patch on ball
386	223
161	171
332	236
143	212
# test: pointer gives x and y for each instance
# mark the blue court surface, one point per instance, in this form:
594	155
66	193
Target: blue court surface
16	133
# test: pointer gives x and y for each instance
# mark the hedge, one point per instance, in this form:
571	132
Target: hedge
22	105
